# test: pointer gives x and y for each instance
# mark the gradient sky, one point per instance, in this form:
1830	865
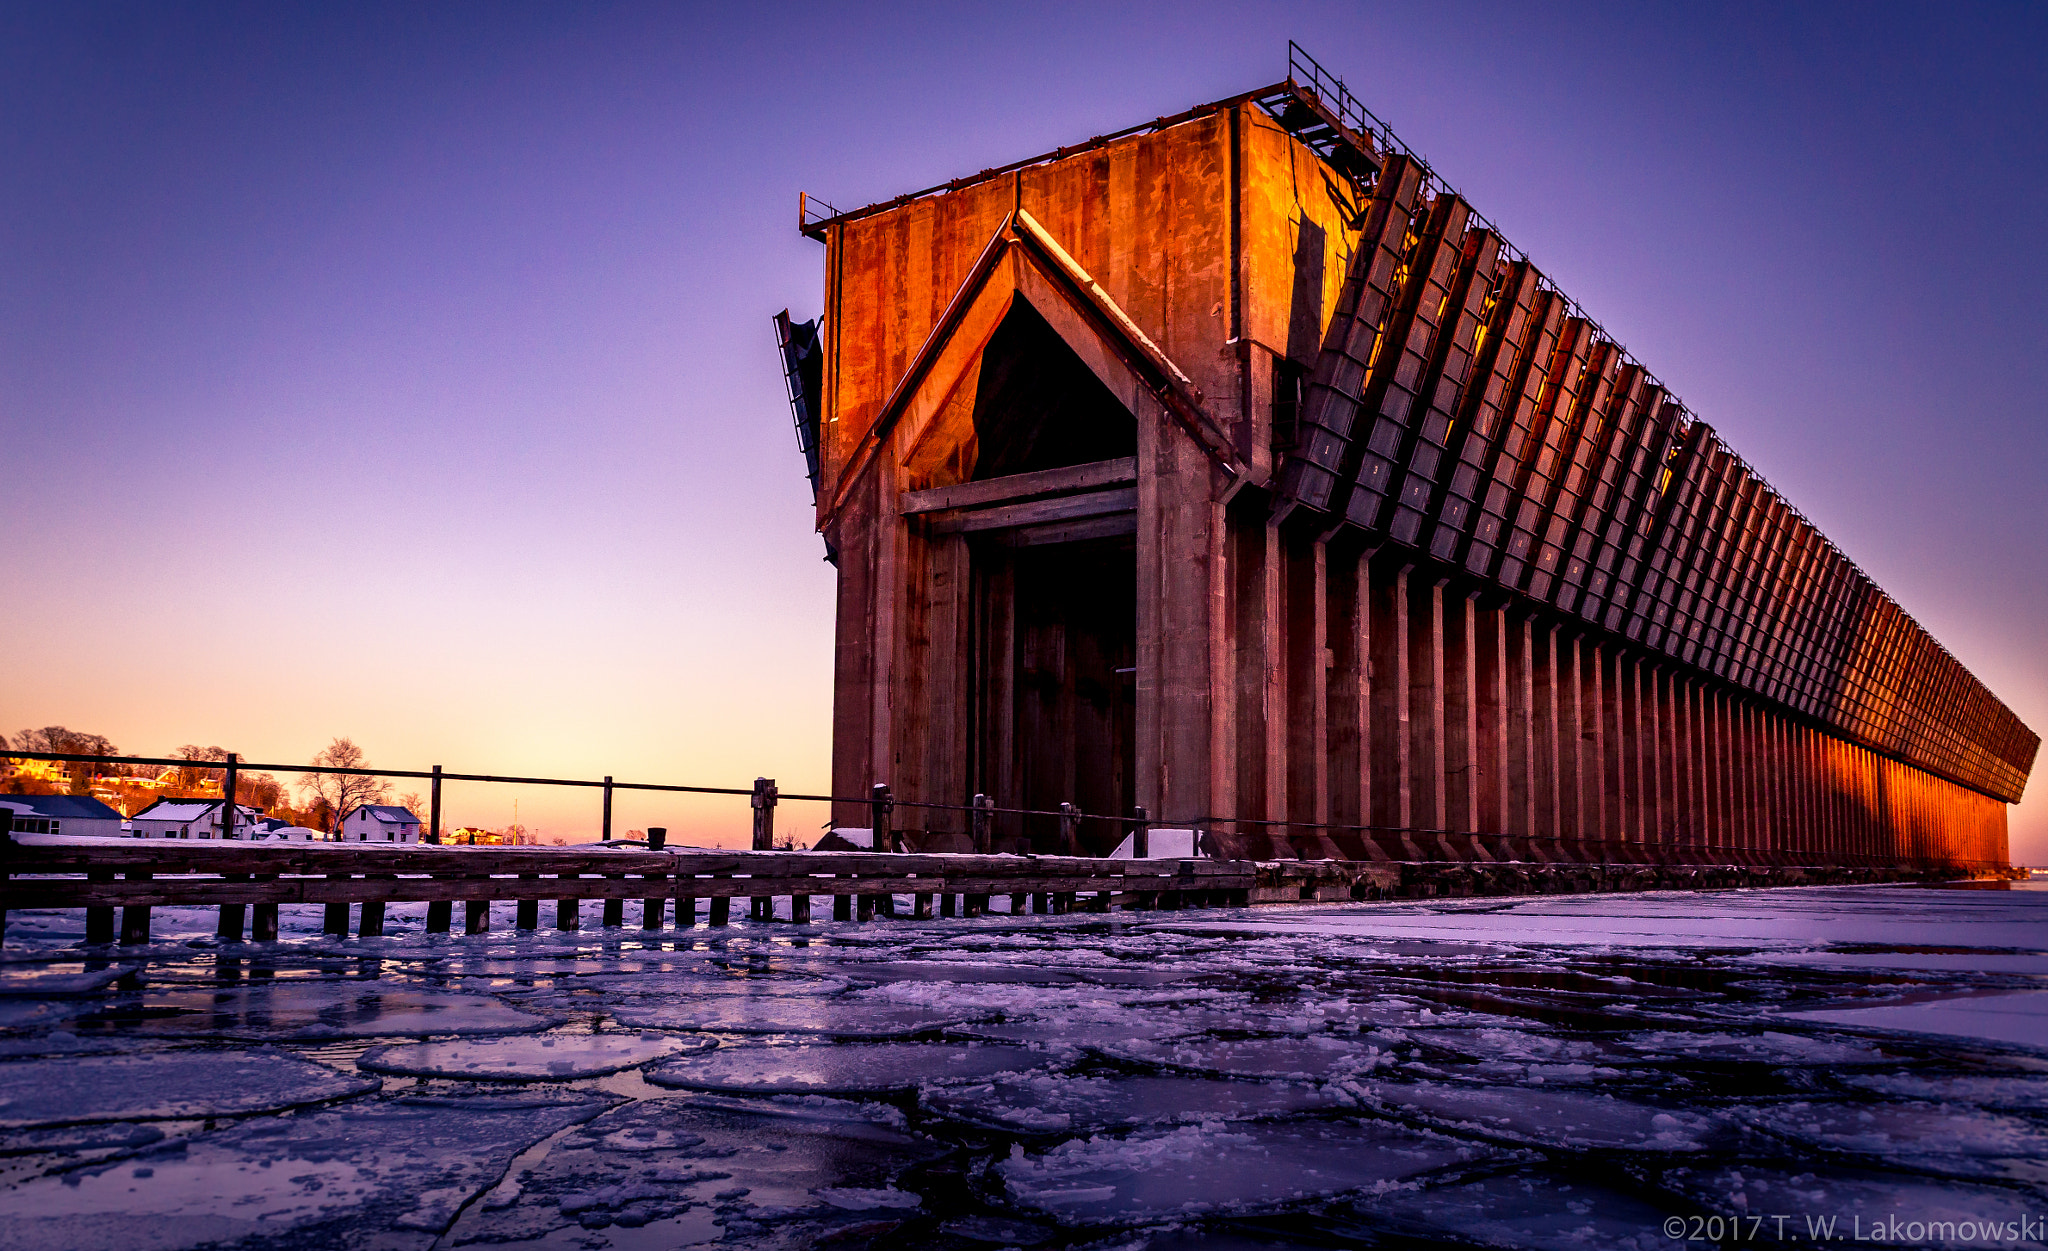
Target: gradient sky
405	372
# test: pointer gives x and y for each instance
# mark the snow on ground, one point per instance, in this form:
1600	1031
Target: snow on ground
1524	1073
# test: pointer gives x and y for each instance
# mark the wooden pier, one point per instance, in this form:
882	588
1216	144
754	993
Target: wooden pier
249	884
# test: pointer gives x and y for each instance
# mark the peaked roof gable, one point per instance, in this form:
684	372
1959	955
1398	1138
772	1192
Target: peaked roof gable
1022	258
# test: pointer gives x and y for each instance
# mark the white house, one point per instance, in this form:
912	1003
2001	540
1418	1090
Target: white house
380	823
191	818
78	815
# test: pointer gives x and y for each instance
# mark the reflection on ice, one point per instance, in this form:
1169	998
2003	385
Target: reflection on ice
325	1009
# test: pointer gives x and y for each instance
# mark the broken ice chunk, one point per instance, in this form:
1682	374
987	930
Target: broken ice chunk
1038	1103
528	1058
335	1178
832	1018
165	1085
1196	1169
819	1068
1311	1059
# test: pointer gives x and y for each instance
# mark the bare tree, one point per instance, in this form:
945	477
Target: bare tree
197	781
55	738
338	794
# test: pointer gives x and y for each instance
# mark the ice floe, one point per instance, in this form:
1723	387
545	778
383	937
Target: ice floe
2018	1017
165	1085
1043	1103
683	1170
543	1057
1199	1169
378	1173
824	1068
1308	1059
1548	1118
830	1018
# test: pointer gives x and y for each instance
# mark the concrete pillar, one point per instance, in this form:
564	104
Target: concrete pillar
1490	717
1391	800
1519	792
1426	713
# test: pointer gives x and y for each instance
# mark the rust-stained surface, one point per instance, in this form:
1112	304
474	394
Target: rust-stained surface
1411	544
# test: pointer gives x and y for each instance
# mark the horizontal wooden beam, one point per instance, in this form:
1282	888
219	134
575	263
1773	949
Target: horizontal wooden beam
1019	486
1038	512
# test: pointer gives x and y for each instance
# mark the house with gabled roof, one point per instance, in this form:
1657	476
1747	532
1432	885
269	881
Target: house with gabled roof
192	818
78	815
381	823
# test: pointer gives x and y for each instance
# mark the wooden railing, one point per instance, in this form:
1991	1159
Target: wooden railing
256	880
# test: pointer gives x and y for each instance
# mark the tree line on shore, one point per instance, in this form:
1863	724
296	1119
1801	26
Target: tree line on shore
321	802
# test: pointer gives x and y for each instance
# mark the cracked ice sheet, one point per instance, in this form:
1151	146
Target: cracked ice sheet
558	1058
811	1068
683	1169
1550	1118
166	1085
1532	1211
1220	1168
1925	1137
1301	1059
1839	1197
776	1014
393	1172
1045	1103
306	1011
1785	918
2017	1017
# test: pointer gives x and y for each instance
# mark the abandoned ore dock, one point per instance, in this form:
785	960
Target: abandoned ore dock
1232	468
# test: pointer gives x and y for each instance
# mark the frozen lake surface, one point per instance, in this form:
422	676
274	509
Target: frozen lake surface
1592	1071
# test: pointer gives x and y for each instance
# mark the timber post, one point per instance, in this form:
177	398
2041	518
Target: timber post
880	808
434	807
604	833
135	917
229	928
984	822
763	801
1070	823
1141	833
227	799
99	921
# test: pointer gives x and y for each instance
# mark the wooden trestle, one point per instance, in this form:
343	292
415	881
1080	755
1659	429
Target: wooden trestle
101	878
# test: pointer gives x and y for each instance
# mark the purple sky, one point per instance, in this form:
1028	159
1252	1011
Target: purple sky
405	373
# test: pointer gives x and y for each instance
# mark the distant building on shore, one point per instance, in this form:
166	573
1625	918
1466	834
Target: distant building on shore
191	818
77	815
380	823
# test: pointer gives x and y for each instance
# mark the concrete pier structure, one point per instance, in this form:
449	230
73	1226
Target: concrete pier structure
1232	467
